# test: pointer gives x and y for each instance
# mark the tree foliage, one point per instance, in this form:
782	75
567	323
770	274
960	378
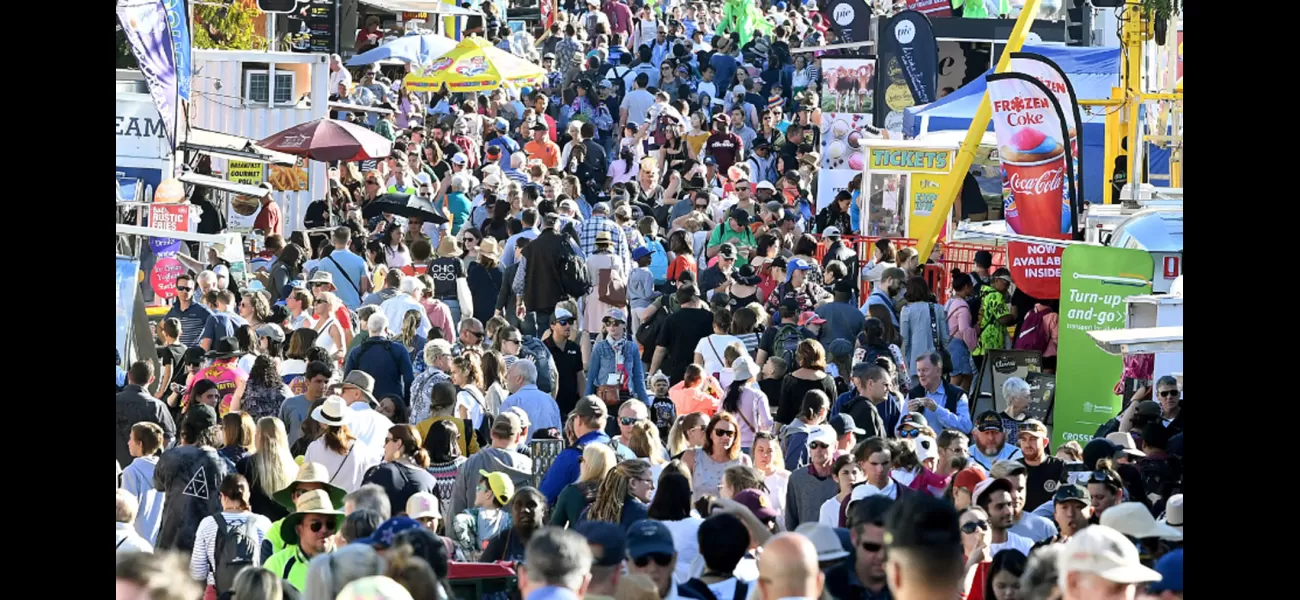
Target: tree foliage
228	27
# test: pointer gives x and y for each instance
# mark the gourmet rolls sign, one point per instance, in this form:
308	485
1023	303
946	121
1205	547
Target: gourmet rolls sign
1034	144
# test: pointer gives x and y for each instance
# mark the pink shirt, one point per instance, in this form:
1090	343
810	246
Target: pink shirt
440	317
959	322
929	481
689	400
227	376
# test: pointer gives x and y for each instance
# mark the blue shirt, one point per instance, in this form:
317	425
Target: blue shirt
567	466
538	405
724	70
192	319
221	324
508	253
879	297
458	204
941	418
348	273
1009	451
508	147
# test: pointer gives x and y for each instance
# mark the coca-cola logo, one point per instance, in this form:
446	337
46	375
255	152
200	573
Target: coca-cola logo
1045	182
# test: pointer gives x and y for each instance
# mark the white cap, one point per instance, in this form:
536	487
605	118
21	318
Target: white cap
423	504
821	433
1106	553
831	231
926	448
765	185
863	490
823	539
1134	520
561	313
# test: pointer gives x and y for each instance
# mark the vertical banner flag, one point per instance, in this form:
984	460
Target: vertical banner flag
128	272
152	41
178	24
1095	280
909	36
1053	77
1037	183
851	21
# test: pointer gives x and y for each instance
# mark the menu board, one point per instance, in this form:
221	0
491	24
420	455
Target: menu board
313	27
1042	392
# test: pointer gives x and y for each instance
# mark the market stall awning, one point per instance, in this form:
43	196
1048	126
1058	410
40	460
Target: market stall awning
422	6
344	106
231	147
1143	340
218	183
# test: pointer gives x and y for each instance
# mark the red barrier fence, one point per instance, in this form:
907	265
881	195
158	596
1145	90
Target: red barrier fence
946	257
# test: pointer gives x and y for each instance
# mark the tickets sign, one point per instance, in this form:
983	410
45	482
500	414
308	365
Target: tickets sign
902	185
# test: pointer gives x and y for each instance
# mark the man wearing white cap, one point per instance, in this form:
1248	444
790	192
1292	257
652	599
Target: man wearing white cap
812	486
1099	563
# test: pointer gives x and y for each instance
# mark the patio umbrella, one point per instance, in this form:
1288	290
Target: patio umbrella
411	48
474	65
328	140
404	205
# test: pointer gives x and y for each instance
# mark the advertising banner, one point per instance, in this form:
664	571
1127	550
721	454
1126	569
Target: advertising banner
128	273
931	8
909	36
850	20
241	211
843	157
1037	183
848	85
172	217
901	187
1095	280
152	41
313	26
1053	78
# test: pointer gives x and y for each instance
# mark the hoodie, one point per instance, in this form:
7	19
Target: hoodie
493	460
191	477
137	479
794	446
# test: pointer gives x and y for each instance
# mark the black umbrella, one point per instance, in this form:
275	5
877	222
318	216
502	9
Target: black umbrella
404	205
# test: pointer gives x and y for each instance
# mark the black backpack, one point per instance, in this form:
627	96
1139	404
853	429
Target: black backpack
234	550
574	278
697	589
786	342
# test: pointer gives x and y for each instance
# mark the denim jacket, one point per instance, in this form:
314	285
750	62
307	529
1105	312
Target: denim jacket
602	364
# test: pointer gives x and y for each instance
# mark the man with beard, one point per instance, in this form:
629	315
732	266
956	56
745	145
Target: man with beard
864	577
527	512
997	498
1032	526
1045	473
990	444
892	282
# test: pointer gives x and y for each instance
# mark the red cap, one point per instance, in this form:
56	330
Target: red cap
810	317
969	477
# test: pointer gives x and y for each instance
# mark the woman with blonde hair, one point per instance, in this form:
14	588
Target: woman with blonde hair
597	460
687	433
269	469
338	449
410	336
331	335
238	432
621	497
403	473
721	450
643	441
769	461
810	375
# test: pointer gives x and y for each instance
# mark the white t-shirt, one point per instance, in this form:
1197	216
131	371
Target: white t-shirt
776	484
1014	542
348	471
714	350
830	512
466	399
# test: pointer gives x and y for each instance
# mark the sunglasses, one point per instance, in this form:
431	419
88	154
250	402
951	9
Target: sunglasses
971	526
724	432
517	341
371	182
909	433
660	559
629	421
564	322
184	289
1164	394
871	547
818	446
1101	477
329	525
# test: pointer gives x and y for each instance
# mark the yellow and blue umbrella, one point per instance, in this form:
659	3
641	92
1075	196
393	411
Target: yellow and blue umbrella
473	66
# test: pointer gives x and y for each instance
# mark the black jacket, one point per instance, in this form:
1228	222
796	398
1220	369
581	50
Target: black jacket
134	405
867	417
841	252
542	286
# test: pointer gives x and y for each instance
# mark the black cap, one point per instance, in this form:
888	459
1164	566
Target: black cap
988	421
541	126
1072	491
740	215
844	423
200	416
727	251
610	538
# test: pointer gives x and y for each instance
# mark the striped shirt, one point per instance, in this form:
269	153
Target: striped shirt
203	560
192	321
594	225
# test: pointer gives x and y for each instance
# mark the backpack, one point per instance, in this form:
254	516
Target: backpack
786	342
658	261
234	550
574	278
1033	335
698	590
647	334
535	349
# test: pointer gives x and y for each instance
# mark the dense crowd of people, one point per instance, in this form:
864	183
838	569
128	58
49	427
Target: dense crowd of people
627	355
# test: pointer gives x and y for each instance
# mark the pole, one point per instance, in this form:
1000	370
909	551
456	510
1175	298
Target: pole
978	125
1134	31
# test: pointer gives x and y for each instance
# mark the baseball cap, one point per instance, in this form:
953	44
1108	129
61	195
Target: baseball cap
810	318
503	488
821	433
988	421
491	151
200	416
459	159
609	544
915	419
384	535
926	448
271	331
423	504
1072	491
1170	568
765	185
969	478
601	208
740	215
541	126
521	414
591	407
727	251
843	423
506	425
992	484
1004	275
1033	427
649	537
1104	552
757	503
561	314
831	231
641	251
1134	520
1148	408
502	124
1007	468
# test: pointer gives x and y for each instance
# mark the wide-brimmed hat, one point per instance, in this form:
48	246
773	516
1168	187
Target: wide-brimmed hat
1126	443
603	237
311	502
1134	520
488	248
225	347
364	382
824	540
334	411
449	247
1173	512
321	276
748	276
309	472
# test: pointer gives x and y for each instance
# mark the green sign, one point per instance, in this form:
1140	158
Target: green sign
1095	280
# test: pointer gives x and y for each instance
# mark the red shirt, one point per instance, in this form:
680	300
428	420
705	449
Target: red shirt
269	220
620	17
724	148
